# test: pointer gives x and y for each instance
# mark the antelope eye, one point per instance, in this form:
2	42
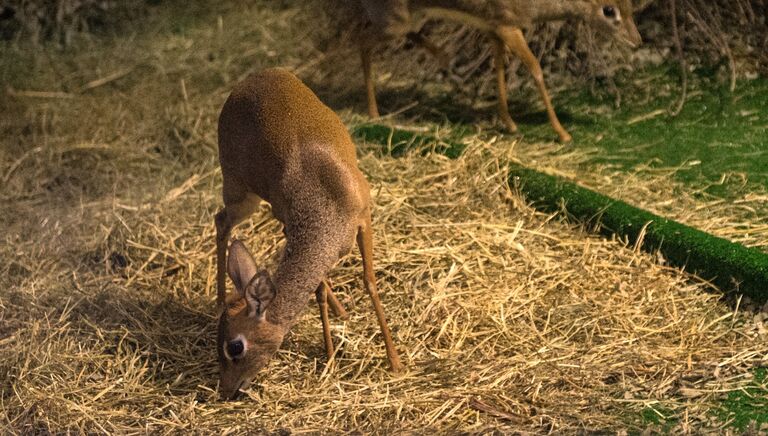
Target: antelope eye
235	348
609	11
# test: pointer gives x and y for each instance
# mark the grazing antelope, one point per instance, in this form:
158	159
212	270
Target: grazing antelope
502	21
280	143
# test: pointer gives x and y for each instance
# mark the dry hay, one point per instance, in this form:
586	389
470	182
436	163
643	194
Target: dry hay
505	318
59	21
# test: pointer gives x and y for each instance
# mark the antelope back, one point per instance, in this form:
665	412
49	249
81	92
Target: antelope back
266	125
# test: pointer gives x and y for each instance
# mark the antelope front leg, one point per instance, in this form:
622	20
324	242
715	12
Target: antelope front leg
322	301
223	228
365	243
335	304
501	85
370	92
514	39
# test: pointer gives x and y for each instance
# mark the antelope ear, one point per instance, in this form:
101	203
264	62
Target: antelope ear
240	266
259	293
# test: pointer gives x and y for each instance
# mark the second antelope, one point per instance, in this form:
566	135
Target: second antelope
502	21
279	143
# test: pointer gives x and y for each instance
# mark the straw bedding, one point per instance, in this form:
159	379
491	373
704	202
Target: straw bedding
506	319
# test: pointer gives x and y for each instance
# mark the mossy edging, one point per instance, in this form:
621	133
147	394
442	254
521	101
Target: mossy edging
730	266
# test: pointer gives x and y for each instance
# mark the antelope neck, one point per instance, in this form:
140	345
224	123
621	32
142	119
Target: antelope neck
308	257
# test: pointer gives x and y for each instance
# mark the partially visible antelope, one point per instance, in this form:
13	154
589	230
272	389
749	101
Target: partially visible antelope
278	142
502	21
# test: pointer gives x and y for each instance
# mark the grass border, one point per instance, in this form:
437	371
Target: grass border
730	266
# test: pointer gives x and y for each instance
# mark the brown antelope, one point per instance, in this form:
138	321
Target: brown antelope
278	142
502	21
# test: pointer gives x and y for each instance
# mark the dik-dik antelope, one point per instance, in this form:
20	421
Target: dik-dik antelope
502	21
278	142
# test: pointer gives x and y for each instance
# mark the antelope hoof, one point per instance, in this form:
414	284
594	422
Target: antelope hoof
509	125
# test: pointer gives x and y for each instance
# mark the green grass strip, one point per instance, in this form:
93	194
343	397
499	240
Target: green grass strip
402	141
748	405
730	266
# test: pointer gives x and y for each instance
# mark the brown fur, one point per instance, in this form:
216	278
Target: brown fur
279	143
395	17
